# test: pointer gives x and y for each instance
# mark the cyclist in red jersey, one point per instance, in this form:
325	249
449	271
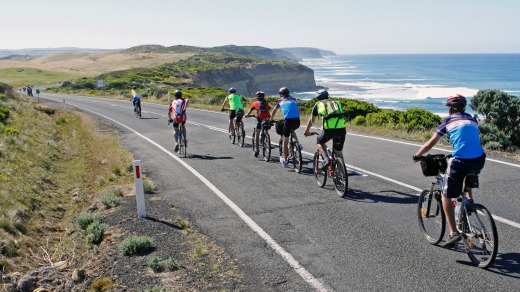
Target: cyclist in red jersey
262	108
177	115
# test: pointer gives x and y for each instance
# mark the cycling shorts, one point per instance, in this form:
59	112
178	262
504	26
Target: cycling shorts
236	113
337	136
176	124
290	125
457	169
259	122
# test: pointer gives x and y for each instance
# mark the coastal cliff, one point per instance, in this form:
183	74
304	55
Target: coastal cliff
259	77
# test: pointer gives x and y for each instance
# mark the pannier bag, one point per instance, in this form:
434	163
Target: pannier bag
279	127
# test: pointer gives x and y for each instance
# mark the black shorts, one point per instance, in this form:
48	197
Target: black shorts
337	136
290	125
259	123
458	168
176	125
236	113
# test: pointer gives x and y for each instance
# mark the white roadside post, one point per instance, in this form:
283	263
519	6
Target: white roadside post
139	189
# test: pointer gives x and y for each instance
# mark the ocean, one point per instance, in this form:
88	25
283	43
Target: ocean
419	81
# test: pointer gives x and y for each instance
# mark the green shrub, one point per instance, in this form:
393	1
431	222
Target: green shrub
103	284
4	114
85	219
383	118
492	137
159	265
111	200
95	232
359	121
149	186
419	119
9	131
136	245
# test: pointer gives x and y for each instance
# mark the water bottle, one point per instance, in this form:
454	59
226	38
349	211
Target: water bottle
457	209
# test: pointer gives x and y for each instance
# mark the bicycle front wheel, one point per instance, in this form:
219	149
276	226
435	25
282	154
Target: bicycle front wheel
241	134
321	176
182	144
266	147
340	178
295	156
480	236
432	220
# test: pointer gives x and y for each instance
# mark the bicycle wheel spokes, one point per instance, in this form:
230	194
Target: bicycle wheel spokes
253	143
340	177
432	220
480	237
266	147
297	157
321	176
231	134
241	134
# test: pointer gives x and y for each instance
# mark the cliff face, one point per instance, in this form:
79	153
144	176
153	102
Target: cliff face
265	77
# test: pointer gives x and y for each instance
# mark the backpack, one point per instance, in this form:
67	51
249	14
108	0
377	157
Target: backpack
262	104
331	111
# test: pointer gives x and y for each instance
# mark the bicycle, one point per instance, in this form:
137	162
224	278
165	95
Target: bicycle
137	109
240	133
474	222
181	138
295	152
264	139
337	171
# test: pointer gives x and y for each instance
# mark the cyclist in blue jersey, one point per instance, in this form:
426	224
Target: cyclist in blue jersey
468	156
291	116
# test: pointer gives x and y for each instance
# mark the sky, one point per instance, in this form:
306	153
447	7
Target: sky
343	26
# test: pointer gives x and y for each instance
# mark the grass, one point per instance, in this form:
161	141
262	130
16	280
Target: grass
29	76
134	245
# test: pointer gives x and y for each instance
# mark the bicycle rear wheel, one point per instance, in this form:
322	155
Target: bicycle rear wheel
266	147
340	178
280	146
480	236
295	156
432	220
321	176
253	141
241	134
182	144
231	134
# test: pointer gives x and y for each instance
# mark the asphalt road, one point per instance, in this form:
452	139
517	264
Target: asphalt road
287	234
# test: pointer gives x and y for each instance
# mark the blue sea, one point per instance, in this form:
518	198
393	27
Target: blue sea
420	81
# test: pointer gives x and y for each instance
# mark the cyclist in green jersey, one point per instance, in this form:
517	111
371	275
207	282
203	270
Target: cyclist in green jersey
236	107
331	113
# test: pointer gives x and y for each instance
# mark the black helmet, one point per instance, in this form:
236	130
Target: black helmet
284	91
322	94
134	87
232	90
177	93
260	94
457	101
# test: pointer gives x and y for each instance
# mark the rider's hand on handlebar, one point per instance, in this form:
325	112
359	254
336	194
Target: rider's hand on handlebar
416	158
307	133
222	109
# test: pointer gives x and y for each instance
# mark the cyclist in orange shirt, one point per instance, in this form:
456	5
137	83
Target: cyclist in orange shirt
262	108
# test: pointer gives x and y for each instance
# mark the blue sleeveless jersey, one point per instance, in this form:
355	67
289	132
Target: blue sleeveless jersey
462	129
289	107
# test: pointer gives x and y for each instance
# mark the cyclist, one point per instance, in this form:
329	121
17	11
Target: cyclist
262	108
291	116
236	107
136	97
177	116
468	156
333	120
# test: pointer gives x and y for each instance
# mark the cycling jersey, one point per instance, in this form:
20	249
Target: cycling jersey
462	129
135	96
289	107
178	108
326	107
235	101
262	114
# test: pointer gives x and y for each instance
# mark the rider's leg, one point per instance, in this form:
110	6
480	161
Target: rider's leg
450	215
184	131
285	148
231	126
257	139
175	134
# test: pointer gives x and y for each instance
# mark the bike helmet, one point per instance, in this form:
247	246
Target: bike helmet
134	87
458	101
284	91
322	94
177	93
260	94
232	90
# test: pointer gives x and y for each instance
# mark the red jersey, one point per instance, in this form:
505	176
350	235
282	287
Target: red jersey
178	108
263	113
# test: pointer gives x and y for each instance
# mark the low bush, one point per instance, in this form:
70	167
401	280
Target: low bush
159	265
111	200
136	245
149	186
85	219
94	232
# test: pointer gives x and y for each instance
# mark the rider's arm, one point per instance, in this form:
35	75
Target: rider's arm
273	113
428	145
224	103
308	128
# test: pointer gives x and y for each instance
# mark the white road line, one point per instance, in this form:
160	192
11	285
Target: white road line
363	171
300	270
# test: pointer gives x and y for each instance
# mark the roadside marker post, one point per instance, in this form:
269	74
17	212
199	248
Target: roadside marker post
139	189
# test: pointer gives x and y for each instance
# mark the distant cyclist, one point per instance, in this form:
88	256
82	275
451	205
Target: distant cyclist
291	116
236	107
333	123
177	116
468	156
136	97
262	108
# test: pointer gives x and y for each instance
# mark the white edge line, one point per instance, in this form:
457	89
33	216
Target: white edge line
300	270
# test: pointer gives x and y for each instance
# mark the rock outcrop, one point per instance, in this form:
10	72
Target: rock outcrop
265	77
